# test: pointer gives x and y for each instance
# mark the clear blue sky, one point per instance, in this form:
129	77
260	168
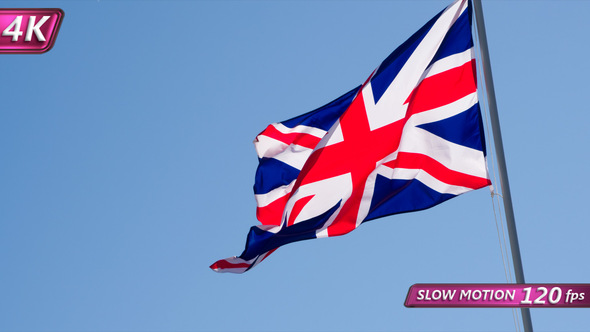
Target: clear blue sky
127	165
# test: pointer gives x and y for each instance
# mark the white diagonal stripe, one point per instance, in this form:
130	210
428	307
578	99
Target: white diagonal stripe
263	200
450	62
317	132
390	107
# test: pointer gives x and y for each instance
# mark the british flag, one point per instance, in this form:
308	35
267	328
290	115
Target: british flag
407	139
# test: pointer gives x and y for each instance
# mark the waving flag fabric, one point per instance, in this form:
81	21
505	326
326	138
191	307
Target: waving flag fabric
407	139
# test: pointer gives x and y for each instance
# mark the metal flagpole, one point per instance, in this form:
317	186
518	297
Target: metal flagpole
508	209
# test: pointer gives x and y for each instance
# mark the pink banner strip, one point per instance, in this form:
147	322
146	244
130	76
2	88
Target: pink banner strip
499	295
28	30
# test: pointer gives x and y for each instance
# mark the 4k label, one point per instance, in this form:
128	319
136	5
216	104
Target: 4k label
29	30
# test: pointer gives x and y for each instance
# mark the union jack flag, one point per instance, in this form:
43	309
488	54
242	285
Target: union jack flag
407	139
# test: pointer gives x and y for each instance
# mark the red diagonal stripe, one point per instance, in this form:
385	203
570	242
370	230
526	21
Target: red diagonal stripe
437	170
443	88
297	207
272	213
224	264
302	139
